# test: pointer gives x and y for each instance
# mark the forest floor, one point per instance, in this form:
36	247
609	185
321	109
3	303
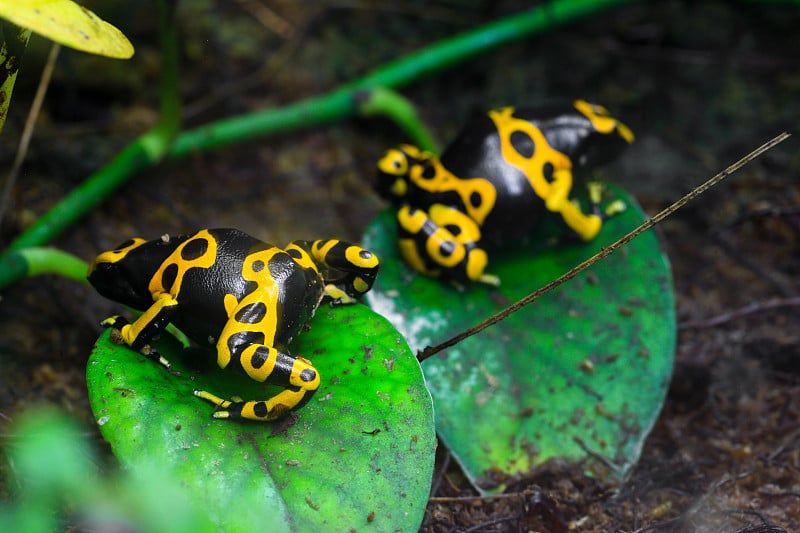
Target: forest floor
700	84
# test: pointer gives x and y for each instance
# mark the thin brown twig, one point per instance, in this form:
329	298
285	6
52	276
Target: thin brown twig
429	351
442	472
597	456
789	439
27	131
779	281
484	497
750	309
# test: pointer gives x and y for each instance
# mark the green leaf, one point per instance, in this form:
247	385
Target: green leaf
67	23
583	371
360	452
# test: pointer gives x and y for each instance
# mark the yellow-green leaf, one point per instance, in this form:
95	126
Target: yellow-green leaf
67	23
12	46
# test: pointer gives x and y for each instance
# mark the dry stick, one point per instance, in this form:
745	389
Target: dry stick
603	253
482	497
27	132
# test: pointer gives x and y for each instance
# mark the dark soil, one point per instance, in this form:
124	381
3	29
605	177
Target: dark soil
700	83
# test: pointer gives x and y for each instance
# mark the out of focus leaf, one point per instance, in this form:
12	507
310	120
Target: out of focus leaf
68	23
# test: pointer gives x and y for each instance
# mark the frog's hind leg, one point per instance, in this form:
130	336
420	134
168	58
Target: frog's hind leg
443	242
267	364
260	410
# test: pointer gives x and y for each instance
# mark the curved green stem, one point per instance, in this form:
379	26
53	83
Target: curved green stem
87	195
35	261
158	140
336	105
382	101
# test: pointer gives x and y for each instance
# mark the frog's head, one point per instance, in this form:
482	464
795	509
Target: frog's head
604	136
123	274
394	169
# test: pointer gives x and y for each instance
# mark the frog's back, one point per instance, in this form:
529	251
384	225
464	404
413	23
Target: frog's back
245	267
476	153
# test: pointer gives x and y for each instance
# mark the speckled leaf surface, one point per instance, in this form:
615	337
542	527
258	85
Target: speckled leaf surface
68	23
582	371
359	455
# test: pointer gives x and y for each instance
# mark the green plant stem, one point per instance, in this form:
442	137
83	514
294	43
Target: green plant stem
338	104
382	101
35	261
159	139
86	196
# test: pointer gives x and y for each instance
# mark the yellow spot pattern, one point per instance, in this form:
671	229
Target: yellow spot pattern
443	217
204	261
255	269
531	167
556	193
444	181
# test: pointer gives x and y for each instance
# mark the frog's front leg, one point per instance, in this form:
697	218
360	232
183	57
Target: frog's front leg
557	200
139	334
347	269
265	364
443	242
596	189
587	226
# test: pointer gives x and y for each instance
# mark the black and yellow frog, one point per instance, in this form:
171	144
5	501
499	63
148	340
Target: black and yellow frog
229	291
493	184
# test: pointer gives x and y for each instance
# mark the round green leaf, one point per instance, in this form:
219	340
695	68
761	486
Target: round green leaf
581	372
68	23
359	455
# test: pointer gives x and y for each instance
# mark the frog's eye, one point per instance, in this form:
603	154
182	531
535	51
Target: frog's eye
120	252
424	170
394	163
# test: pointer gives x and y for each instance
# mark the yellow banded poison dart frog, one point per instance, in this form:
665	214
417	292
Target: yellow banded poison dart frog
229	291
493	184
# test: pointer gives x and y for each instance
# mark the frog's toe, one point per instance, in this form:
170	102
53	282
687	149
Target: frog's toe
115	322
489	279
614	208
